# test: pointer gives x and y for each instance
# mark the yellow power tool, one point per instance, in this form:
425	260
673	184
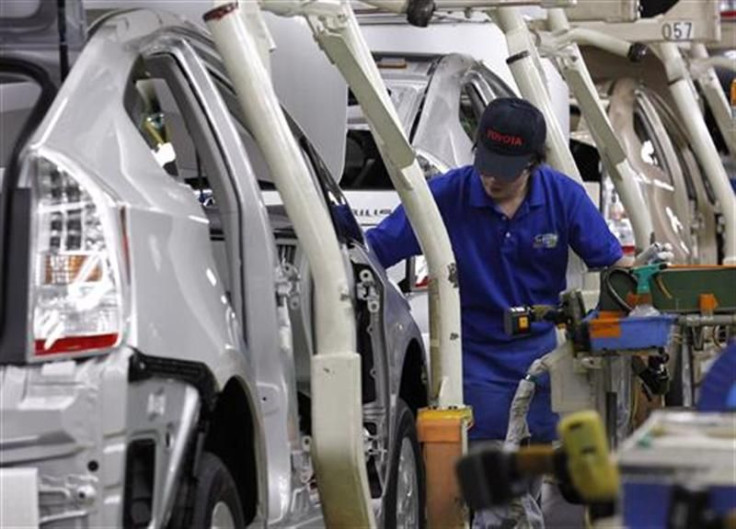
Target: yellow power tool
494	476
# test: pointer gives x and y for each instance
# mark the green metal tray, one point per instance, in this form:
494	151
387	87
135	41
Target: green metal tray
676	289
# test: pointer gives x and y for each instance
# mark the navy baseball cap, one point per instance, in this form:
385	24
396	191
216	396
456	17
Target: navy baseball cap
511	132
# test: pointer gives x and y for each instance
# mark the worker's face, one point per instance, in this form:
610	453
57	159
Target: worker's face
499	189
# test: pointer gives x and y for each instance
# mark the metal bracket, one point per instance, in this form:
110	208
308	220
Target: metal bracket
604	10
686	21
143	367
366	290
556	43
287	285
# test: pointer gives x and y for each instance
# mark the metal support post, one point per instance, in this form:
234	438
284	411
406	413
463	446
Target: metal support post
342	41
340	38
704	74
683	93
336	383
573	68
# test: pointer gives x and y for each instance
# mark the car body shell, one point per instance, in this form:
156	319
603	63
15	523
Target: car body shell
669	176
677	191
222	310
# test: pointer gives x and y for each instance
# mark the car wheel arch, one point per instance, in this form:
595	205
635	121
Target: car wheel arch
413	386
240	448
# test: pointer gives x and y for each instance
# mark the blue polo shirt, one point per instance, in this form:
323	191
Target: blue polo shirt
504	262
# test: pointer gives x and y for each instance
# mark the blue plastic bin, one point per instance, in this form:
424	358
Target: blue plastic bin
651	332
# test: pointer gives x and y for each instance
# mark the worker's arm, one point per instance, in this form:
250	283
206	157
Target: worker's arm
655	253
393	240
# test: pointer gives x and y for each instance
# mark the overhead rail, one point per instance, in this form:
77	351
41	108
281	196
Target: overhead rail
419	12
604	10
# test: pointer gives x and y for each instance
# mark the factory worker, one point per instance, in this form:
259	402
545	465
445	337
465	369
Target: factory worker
511	220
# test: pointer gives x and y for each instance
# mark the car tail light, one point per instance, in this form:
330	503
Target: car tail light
77	302
421	273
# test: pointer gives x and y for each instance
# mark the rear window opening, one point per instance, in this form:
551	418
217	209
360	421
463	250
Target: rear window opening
173	126
471	109
364	167
353	100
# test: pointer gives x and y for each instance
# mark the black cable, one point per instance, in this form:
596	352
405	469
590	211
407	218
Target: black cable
63	44
612	292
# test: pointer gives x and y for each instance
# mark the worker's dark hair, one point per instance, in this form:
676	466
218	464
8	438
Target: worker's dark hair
538	159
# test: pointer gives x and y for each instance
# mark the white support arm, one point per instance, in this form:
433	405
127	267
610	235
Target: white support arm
401	6
612	154
338	449
692	119
705	62
526	68
339	36
342	41
591	37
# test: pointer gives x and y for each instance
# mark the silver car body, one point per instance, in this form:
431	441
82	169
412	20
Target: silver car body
208	323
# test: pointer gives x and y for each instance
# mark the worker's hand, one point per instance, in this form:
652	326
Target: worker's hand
656	253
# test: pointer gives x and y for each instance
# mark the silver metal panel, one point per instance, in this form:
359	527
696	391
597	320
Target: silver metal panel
53	419
19	498
439	131
67	414
309	87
